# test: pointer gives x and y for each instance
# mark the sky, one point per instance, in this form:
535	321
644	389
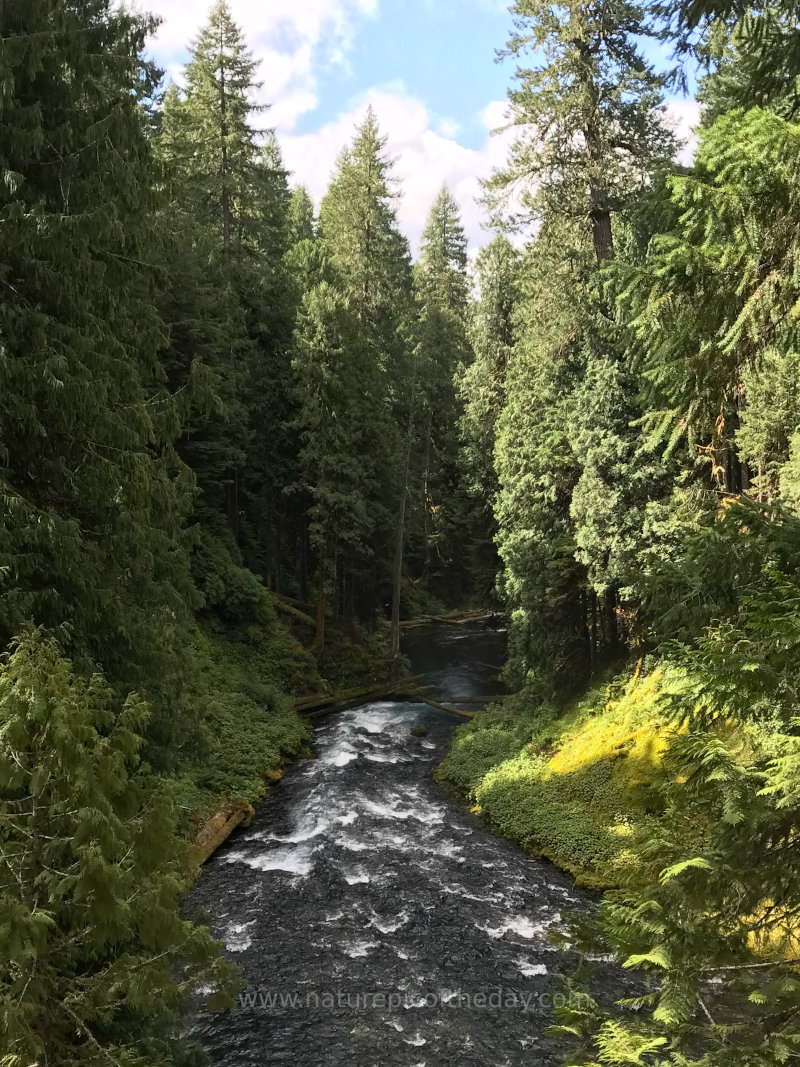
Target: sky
427	67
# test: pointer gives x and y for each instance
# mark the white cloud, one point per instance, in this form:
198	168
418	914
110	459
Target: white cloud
293	39
684	117
426	154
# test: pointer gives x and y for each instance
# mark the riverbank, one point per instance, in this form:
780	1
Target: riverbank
244	683
570	783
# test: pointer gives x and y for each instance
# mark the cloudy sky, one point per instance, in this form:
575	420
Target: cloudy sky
427	66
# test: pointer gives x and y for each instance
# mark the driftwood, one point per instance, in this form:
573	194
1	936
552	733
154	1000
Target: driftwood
220	827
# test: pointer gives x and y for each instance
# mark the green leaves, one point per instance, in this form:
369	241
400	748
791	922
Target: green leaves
91	871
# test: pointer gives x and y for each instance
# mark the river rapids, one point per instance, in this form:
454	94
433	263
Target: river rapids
375	920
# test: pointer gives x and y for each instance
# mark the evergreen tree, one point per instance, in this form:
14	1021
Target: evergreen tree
492	331
595	106
340	407
96	954
370	258
93	496
230	201
442	352
358	223
443	256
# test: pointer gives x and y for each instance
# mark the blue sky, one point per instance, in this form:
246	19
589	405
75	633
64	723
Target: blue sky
427	66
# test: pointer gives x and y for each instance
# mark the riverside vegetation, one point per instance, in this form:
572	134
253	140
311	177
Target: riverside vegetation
240	439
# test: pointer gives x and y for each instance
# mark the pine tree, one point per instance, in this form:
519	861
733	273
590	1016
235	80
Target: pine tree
230	203
93	496
210	132
358	223
596	108
96	954
443	255
339	402
370	258
442	352
492	330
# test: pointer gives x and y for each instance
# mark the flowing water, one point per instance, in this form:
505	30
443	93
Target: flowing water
374	919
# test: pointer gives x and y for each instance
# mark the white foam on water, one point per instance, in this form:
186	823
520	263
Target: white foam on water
519	925
530	970
357	878
417	1040
292	860
360	948
338	755
236	937
389	926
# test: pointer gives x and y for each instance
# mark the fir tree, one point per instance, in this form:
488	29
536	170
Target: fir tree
93	496
340	406
492	331
96	954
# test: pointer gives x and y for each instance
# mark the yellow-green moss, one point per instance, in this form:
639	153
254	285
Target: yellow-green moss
567	784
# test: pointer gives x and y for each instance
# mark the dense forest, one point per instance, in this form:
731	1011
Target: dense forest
244	436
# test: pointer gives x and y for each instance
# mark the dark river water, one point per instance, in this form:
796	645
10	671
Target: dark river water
377	922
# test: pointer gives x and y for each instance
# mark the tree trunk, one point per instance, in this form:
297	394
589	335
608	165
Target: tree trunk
320	638
226	193
397	577
601	224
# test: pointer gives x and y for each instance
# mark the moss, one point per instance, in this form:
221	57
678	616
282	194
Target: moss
568	784
240	693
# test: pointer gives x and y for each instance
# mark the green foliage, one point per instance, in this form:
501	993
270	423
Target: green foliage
92	494
238	689
97	956
569	784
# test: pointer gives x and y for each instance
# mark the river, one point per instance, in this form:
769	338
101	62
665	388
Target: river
375	920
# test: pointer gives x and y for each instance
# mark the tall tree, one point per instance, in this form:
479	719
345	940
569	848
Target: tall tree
591	111
93	496
370	257
492	331
230	203
442	352
340	412
596	108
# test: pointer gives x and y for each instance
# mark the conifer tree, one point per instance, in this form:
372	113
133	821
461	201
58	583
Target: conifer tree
96	954
595	105
442	351
591	110
340	405
93	496
229	185
370	258
492	331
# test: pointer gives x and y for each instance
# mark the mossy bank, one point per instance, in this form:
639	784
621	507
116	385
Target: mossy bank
570	783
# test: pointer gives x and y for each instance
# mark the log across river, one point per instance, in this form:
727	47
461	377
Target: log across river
377	922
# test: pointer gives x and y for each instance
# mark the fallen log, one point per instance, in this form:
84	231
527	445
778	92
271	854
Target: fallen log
452	618
478	700
324	700
220	827
420	698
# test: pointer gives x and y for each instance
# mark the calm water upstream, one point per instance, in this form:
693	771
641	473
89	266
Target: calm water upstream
374	919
